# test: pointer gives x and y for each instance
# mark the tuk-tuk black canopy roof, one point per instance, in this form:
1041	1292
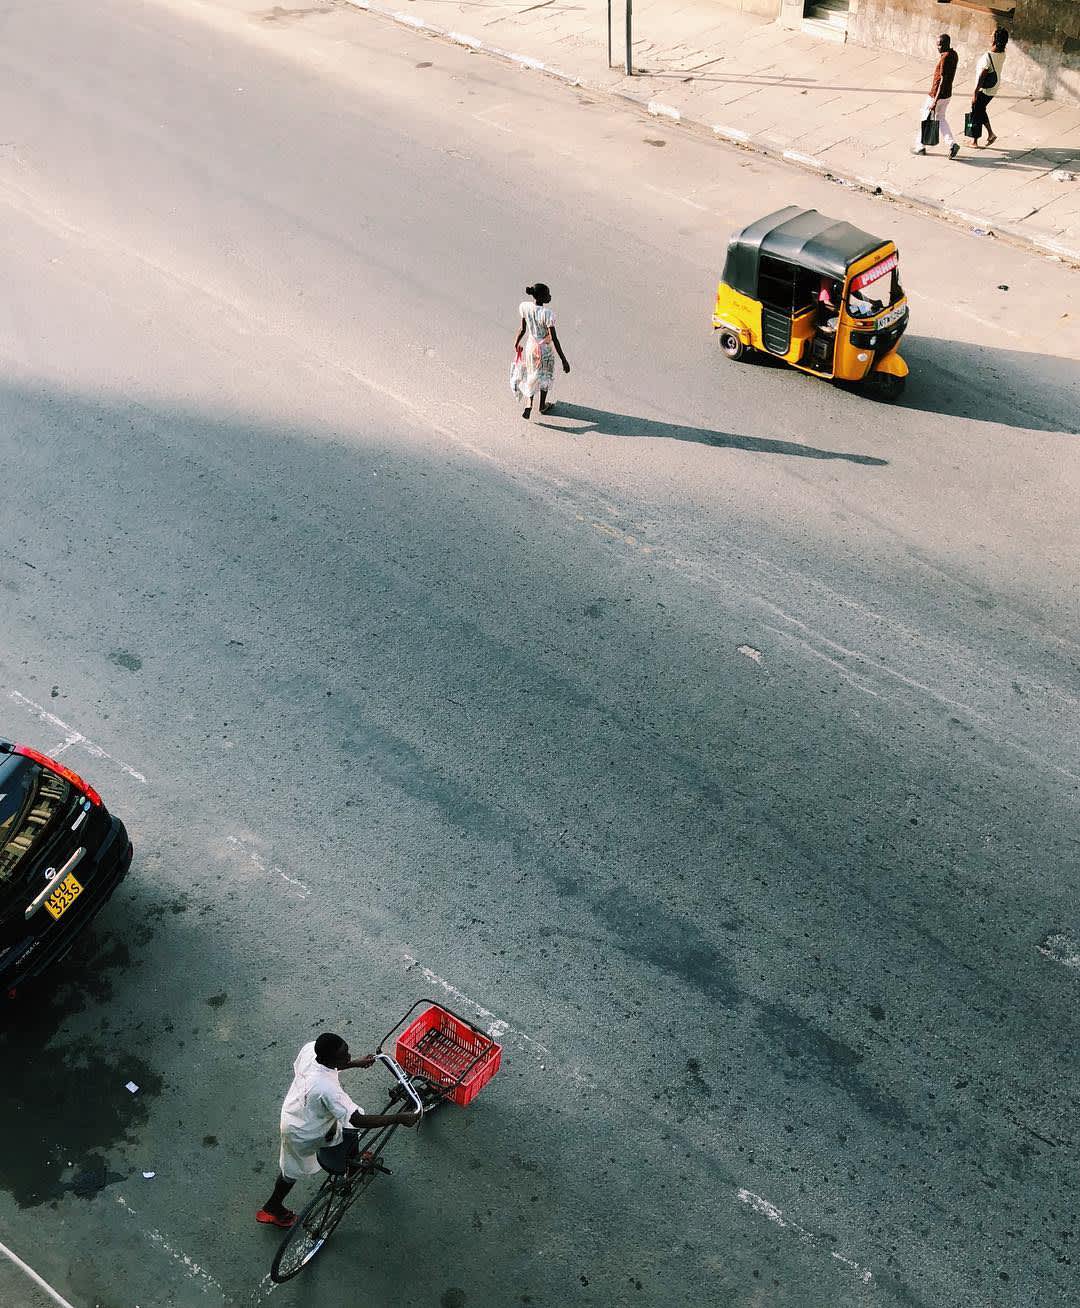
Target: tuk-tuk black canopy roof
802	237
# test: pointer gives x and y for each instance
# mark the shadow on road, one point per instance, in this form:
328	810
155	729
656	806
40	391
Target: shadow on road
1026	391
604	423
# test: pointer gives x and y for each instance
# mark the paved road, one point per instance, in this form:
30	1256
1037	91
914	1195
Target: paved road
718	735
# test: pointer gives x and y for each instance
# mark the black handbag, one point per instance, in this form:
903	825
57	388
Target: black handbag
931	131
969	125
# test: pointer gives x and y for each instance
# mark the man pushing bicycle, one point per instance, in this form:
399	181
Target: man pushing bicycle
315	1112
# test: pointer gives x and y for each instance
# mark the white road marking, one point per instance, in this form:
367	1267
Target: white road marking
682	199
748	651
271	869
497	1028
207	1283
770	1211
1060	947
845	673
71	736
482	117
29	1272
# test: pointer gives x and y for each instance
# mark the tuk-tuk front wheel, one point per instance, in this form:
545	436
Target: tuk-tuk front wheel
886	386
732	346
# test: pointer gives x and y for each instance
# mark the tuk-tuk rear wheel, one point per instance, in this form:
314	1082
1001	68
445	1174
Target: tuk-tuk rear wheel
732	346
886	386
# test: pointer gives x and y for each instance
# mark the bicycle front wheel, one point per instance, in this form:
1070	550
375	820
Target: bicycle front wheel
311	1230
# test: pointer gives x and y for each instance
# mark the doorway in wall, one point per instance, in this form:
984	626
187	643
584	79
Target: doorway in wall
827	19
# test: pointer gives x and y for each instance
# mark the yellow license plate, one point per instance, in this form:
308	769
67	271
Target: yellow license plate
62	898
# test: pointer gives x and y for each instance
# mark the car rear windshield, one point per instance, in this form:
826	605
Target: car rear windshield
32	801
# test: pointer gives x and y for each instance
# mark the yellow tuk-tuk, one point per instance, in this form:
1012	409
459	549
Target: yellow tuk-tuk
817	293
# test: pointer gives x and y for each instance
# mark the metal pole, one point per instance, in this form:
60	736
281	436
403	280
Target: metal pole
609	33
629	38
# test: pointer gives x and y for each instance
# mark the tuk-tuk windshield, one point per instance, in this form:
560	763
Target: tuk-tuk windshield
876	289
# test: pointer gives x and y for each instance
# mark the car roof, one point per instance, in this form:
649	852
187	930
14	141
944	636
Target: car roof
800	236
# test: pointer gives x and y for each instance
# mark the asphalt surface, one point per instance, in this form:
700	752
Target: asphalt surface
716	736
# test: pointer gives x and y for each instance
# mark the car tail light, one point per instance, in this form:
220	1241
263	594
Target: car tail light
46	762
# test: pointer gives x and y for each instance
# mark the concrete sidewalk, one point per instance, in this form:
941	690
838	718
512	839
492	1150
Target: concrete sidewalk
837	108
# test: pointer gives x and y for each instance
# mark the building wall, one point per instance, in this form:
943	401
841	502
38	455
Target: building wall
1044	45
763	8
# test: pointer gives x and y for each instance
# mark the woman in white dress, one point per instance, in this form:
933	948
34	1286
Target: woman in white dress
541	344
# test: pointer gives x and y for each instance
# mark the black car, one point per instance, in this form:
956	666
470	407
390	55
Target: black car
62	854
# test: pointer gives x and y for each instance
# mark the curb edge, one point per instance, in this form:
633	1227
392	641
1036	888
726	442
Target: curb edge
1042	244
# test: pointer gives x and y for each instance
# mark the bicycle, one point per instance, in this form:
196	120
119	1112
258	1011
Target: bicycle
439	1058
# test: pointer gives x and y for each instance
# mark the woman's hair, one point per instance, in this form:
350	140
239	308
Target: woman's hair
1001	37
539	292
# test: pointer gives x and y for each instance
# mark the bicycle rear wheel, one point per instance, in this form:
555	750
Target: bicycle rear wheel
311	1230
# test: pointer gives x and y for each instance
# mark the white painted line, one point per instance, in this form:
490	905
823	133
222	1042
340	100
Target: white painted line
265	1288
29	1272
682	199
526	62
770	1211
748	651
410	20
497	1028
482	117
271	869
1060	947
459	38
844	672
71	735
732	133
72	738
660	110
200	1275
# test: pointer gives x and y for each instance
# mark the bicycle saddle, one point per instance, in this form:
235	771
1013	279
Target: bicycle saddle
333	1158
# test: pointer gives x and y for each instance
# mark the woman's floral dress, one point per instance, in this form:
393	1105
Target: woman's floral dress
537	370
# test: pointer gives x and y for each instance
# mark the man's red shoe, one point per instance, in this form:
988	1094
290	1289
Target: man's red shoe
285	1220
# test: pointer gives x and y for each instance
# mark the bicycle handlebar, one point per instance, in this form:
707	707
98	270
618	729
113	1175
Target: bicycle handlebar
395	1070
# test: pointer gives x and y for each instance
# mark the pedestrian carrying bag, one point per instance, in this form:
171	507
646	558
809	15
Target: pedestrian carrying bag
517	370
989	78
931	131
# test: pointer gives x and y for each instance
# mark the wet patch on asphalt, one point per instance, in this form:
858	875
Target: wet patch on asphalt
68	1107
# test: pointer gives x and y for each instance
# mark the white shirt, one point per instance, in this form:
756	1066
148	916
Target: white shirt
992	59
314	1105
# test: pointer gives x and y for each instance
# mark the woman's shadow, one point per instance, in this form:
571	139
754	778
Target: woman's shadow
604	423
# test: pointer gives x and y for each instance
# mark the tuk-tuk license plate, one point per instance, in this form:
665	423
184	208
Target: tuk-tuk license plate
62	898
894	315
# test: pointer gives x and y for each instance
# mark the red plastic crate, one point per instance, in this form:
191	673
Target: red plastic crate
440	1047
